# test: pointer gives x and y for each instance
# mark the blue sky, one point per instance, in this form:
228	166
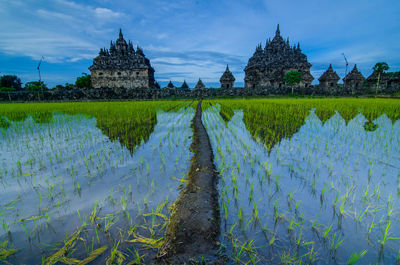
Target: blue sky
192	39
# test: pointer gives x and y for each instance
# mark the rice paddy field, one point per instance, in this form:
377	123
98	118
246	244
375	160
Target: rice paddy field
301	181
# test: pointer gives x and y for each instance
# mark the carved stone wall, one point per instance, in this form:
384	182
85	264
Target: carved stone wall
121	79
146	93
122	67
267	67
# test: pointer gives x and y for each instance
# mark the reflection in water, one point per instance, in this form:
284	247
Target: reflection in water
42	117
325	193
55	175
128	130
278	122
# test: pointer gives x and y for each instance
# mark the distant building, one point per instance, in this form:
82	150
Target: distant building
329	78
354	79
387	80
122	67
227	79
199	85
267	67
184	85
170	85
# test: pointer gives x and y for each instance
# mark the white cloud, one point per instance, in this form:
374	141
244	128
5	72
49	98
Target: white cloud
62	31
105	13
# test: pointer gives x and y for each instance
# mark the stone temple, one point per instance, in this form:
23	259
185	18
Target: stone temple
227	79
267	67
329	78
354	79
122	67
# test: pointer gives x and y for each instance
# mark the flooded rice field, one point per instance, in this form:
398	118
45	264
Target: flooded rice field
282	181
66	176
327	195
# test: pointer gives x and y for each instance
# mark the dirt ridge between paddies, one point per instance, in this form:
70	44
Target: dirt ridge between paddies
191	235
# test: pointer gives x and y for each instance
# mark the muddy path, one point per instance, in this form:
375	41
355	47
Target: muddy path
191	235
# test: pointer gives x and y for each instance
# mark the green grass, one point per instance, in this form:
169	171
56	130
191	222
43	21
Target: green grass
128	122
271	120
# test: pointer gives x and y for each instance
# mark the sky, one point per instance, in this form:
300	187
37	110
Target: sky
192	39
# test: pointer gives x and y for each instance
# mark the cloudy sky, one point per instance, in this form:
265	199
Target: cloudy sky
188	39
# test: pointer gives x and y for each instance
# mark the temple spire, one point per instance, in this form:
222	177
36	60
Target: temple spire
227	68
120	34
278	32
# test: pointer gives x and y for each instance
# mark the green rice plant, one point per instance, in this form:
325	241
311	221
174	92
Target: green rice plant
327	230
123	202
311	256
232	228
372	225
4	224
69	244
4	123
342	206
290	198
251	192
386	234
321	196
334	243
336	199
148	242
93	215
6	250
109	220
83	219
390	206
289	258
240	213
225	209
137	258
358	216
116	257
355	257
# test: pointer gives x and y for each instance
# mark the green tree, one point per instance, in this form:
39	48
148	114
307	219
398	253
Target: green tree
8	90
379	68
84	81
292	78
69	86
35	86
10	81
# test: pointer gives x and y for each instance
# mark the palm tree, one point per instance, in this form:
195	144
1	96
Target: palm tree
379	68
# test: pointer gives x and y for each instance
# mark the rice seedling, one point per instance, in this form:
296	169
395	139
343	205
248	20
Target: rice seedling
335	242
319	156
137	258
6	250
356	257
116	256
327	230
385	236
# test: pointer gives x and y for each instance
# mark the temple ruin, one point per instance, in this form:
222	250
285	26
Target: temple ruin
329	78
227	79
354	79
267	67
122	67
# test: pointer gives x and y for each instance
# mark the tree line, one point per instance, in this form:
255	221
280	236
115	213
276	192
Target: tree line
10	83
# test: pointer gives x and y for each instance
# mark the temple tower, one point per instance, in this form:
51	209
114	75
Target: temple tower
267	67
122	67
227	79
